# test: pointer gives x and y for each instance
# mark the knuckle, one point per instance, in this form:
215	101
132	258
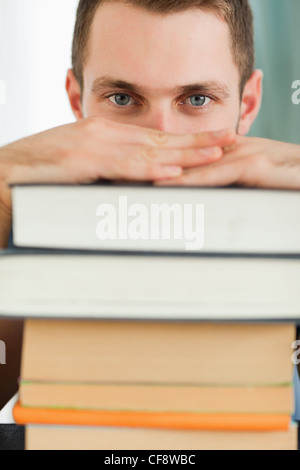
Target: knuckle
158	137
201	139
148	153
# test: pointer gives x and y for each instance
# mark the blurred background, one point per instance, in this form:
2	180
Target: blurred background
35	53
278	55
35	50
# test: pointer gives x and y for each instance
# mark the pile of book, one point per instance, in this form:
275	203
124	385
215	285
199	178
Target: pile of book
138	344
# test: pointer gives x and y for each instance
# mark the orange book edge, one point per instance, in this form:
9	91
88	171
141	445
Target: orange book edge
180	421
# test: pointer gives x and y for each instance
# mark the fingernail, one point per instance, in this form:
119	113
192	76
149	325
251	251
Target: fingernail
222	133
173	171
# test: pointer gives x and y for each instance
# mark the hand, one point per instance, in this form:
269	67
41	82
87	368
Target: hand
251	162
94	148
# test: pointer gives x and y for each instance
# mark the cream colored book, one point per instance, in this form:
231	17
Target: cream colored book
158	353
113	439
158	398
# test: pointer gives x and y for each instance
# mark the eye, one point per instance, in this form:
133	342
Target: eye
198	101
121	99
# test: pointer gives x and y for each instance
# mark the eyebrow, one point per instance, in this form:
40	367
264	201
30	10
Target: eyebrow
102	84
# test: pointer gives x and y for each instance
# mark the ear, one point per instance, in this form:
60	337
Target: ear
251	102
74	93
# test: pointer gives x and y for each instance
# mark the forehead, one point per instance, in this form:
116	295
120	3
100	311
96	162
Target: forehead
158	50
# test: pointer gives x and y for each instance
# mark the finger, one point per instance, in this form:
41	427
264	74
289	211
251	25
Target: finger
221	139
129	169
152	173
185	158
129	134
240	148
216	175
147	163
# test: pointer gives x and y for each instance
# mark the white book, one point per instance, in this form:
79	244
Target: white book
170	287
144	218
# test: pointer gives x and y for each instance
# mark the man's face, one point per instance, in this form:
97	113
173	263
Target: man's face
169	72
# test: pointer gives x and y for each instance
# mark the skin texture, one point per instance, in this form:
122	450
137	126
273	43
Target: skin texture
160	135
203	59
247	163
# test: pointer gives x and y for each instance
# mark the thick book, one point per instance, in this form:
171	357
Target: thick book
43	437
154	420
158	398
158	353
145	218
139	286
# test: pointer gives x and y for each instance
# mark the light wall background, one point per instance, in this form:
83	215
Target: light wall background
277	31
35	50
35	53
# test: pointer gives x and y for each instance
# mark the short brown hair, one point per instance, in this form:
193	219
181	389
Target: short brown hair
236	13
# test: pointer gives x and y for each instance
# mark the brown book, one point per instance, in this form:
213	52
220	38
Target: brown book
98	438
221	354
158	398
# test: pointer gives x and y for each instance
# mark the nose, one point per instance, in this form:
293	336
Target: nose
161	119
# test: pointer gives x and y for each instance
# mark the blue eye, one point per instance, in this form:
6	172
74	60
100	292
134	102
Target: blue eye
199	100
121	99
